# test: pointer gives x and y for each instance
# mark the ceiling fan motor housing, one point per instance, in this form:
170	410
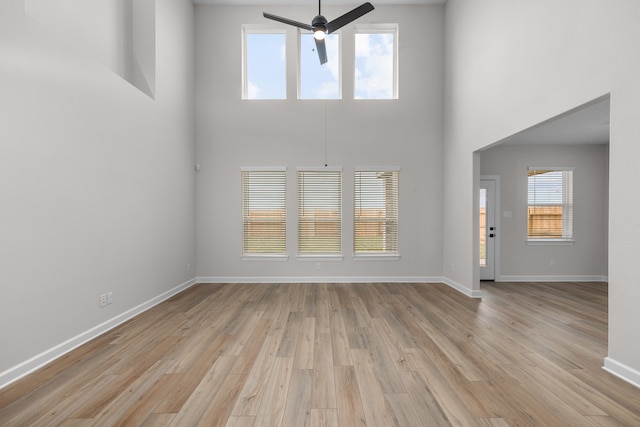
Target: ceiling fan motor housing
319	23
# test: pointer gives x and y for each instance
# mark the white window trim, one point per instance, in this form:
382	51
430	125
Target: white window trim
551	242
258	29
381	28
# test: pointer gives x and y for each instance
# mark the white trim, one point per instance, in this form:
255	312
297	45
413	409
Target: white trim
263	168
320	279
376	257
471	293
622	371
550	242
376	168
552	278
21	370
551	168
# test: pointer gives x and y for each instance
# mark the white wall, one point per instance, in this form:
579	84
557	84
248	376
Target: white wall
586	259
232	133
511	65
96	182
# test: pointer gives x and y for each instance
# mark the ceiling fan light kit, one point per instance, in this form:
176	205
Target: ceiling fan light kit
321	28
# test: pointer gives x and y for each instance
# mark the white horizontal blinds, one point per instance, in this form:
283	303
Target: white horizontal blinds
319	211
550	203
376	211
264	216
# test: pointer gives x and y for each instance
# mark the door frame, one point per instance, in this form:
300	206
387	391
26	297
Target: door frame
498	228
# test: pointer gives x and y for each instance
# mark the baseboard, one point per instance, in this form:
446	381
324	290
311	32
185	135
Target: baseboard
13	374
471	293
622	371
550	278
321	279
346	279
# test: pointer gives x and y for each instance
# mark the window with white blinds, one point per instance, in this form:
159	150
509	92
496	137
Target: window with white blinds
320	211
376	211
264	216
550	204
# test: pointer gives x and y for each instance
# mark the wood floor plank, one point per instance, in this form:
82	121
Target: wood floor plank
366	354
350	411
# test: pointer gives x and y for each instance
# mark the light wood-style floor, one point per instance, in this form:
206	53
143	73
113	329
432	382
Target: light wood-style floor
341	355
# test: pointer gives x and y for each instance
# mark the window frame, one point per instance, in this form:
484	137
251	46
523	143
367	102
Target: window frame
395	215
271	256
379	28
566	204
319	256
247	29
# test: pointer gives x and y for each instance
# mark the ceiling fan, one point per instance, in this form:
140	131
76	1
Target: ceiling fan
320	27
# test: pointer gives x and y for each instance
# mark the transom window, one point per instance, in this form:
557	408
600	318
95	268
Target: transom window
376	61
264	70
319	81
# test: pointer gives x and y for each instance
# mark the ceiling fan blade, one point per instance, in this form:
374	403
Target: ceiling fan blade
322	51
288	21
349	17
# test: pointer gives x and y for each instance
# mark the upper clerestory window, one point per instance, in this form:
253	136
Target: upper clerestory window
264	67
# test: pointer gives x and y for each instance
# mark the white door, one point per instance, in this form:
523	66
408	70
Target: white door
487	229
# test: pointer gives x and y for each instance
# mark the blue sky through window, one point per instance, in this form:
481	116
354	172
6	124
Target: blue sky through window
374	66
319	81
266	66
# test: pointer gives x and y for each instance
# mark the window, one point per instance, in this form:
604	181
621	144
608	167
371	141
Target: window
320	211
376	211
264	71
550	204
376	62
319	81
264	216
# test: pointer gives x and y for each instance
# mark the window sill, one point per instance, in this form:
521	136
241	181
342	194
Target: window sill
320	257
264	257
376	257
551	242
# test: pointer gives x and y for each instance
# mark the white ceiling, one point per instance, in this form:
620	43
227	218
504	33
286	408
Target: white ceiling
587	124
314	2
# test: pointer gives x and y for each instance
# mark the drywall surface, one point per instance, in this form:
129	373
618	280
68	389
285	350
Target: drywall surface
96	179
233	133
511	65
587	257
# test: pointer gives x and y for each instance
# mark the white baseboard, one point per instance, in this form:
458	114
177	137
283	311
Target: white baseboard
549	278
346	279
471	293
13	374
321	279
622	371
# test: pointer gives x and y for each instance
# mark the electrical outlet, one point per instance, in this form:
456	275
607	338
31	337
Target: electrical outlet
552	262
189	267
103	300
110	298
318	266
